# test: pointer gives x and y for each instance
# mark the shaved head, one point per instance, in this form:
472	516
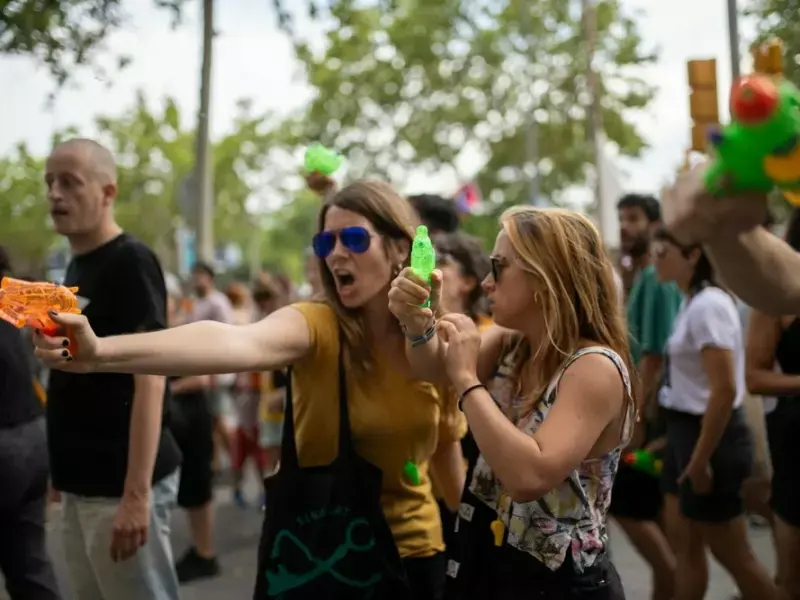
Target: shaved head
97	157
81	178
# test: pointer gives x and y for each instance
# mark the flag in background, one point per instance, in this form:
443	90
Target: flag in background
467	197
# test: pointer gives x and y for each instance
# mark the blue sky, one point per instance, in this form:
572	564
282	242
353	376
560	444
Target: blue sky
253	60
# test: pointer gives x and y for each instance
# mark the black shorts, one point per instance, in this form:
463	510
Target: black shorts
192	425
731	464
782	425
637	495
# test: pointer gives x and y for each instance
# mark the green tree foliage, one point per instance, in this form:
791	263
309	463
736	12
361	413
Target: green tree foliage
63	34
287	234
416	83
155	154
779	18
24	214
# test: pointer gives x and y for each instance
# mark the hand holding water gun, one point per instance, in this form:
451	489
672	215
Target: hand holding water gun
320	159
415	292
760	149
24	303
320	165
644	461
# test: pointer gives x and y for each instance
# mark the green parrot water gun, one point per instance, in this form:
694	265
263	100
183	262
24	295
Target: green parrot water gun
760	149
644	461
423	257
320	159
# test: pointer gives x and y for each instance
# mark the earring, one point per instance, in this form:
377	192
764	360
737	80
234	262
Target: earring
397	268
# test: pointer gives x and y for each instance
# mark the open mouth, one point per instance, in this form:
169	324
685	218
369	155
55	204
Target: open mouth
344	279
59	212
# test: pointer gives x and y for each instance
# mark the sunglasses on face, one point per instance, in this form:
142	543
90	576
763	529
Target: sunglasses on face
355	239
498	264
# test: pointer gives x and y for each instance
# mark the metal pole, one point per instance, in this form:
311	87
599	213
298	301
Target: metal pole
733	37
203	168
531	127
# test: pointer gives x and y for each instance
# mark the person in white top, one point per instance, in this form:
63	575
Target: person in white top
709	445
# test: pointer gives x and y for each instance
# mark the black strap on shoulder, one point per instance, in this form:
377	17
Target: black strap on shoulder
289	458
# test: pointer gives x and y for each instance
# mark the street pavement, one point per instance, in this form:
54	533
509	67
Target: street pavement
238	530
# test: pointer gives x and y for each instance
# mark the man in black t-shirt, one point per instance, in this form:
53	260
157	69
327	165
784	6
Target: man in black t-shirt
111	457
24	471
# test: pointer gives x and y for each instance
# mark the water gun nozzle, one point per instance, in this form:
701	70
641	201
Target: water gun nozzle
754	99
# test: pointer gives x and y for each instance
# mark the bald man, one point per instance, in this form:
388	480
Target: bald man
112	459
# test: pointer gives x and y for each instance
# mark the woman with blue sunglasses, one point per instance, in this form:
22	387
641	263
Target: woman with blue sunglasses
395	422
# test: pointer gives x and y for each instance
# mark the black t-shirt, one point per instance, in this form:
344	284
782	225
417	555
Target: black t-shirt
122	290
18	401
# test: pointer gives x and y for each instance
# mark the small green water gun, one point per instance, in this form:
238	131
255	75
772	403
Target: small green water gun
320	159
644	461
423	257
760	149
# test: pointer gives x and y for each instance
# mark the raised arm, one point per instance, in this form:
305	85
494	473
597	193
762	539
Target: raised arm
760	268
425	349
205	347
757	266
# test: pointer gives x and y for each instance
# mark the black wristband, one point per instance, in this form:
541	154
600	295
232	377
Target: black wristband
467	392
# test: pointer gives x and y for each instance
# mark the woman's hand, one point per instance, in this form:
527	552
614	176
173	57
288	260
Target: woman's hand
406	296
462	349
78	352
694	216
699	476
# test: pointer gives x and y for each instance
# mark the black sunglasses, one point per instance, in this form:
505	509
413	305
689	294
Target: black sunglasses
355	239
498	264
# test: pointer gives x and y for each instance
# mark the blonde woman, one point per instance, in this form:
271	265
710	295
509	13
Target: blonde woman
360	430
532	520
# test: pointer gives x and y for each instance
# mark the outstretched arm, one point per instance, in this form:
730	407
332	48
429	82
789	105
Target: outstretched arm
760	268
202	348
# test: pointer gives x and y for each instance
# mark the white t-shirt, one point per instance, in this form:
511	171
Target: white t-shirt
709	319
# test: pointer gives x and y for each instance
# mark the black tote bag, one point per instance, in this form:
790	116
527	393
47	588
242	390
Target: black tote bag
325	535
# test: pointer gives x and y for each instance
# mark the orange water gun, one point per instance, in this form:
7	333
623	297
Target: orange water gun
24	303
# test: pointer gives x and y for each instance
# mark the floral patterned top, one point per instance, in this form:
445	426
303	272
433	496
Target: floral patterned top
572	517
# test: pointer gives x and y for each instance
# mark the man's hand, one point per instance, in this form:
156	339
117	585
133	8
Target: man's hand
131	526
694	216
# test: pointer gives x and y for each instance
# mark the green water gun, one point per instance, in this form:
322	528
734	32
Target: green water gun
760	149
644	461
423	257
320	159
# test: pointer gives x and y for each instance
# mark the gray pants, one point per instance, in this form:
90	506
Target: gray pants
24	471
148	575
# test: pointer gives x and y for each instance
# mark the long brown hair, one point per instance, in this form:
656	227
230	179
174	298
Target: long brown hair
393	219
574	280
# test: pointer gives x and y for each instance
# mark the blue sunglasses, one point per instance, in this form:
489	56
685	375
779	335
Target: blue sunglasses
355	239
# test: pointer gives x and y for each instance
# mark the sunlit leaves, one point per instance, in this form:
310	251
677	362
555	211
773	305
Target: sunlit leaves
64	34
779	18
155	155
417	84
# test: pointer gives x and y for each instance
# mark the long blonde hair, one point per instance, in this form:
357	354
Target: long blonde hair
574	282
393	219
